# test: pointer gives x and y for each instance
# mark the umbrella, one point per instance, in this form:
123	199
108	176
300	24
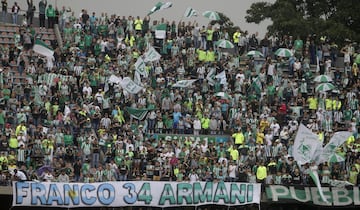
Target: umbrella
223	43
283	52
223	95
211	15
335	158
254	53
323	87
43	168
323	78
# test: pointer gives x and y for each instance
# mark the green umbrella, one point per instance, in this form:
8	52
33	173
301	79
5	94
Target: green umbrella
254	53
211	15
323	78
283	52
323	87
223	43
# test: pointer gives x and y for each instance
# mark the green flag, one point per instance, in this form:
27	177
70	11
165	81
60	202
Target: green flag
160	31
136	113
256	85
42	48
190	12
160	6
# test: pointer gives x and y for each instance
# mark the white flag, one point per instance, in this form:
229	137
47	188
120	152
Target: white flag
189	12
137	78
317	64
222	77
140	67
210	76
184	83
305	145
130	86
113	79
151	55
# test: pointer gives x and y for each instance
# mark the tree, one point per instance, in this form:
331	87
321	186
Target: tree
335	19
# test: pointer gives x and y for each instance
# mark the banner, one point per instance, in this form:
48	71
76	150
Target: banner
199	138
334	195
130	86
137	193
151	55
51	78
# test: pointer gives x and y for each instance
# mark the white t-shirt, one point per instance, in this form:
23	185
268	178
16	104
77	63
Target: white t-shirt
193	177
20	176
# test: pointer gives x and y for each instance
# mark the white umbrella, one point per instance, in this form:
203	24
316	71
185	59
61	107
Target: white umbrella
283	52
323	78
323	87
212	15
223	43
254	53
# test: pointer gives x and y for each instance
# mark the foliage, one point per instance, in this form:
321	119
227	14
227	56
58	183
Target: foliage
335	19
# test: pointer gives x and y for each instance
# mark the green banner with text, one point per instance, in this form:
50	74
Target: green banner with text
335	196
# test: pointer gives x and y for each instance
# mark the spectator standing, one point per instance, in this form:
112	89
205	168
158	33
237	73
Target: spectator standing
50	14
30	12
63	177
42	12
15	12
4	8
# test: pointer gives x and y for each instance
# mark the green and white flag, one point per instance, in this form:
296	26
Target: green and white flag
140	67
222	77
184	83
256	85
160	31
315	177
190	12
137	78
130	86
305	145
160	6
136	113
329	149
42	48
210	77
151	55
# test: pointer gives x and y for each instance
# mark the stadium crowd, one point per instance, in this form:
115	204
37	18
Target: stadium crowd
74	126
